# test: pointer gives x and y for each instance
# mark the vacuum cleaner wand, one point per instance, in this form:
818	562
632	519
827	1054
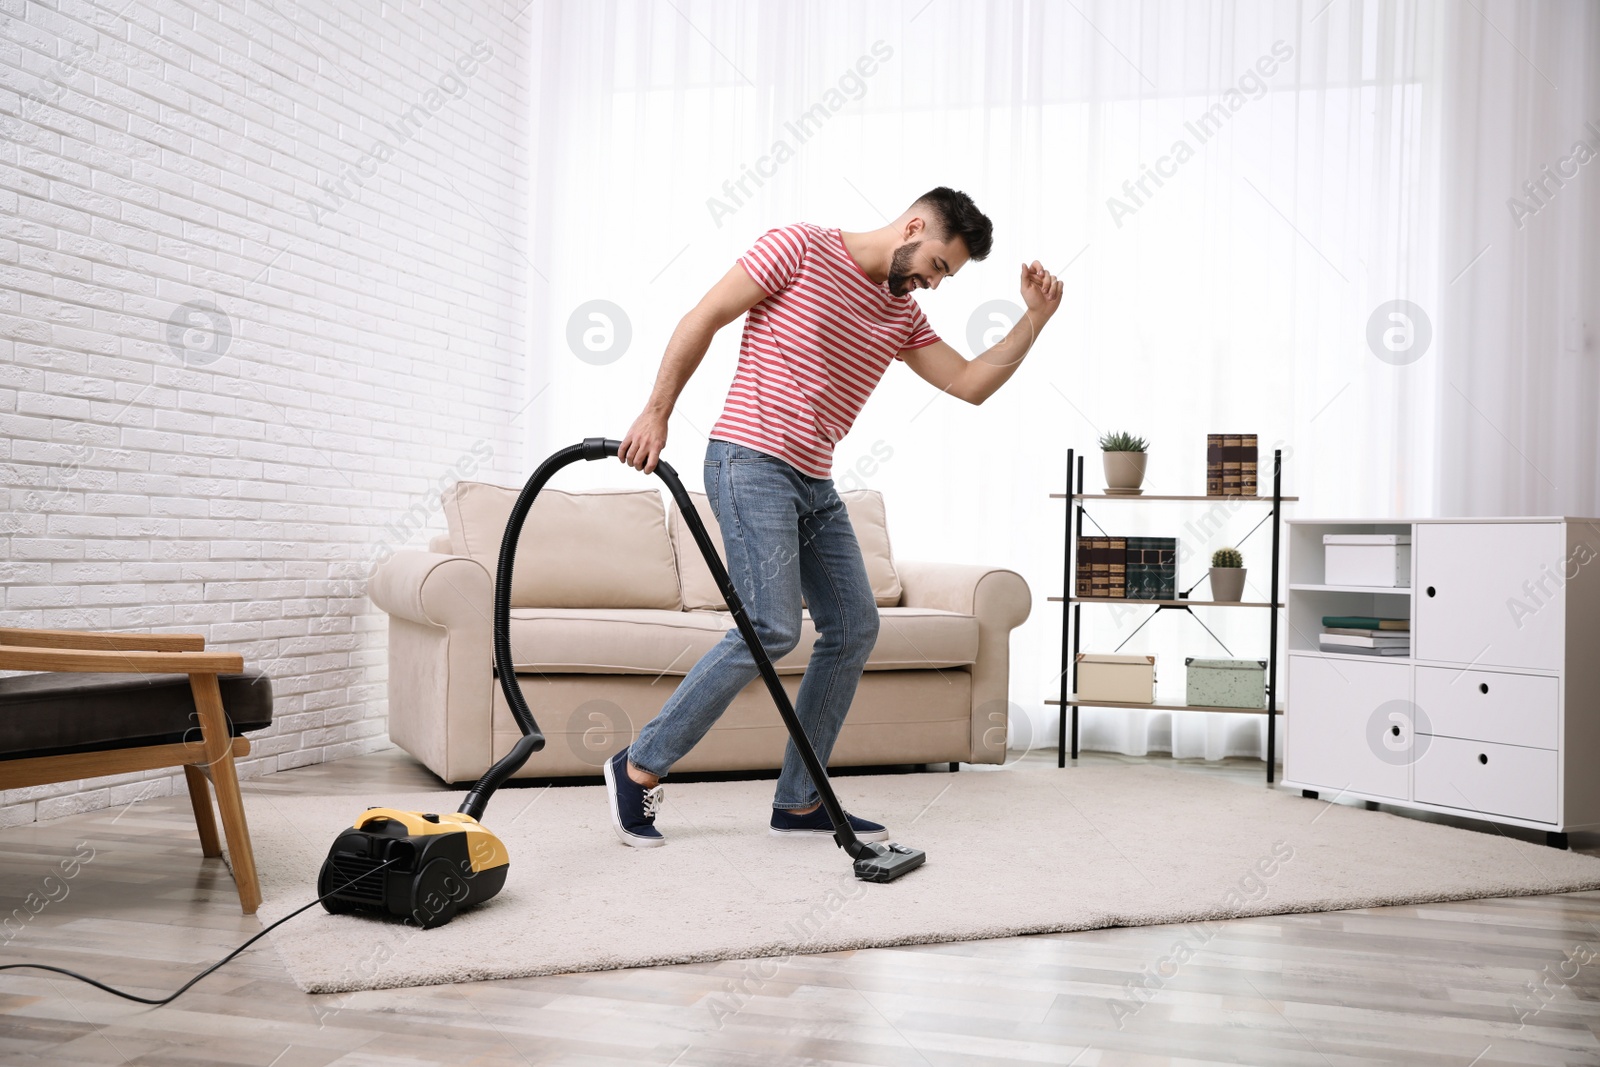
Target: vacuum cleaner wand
873	861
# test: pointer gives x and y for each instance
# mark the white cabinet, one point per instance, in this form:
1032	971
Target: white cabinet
1490	593
1495	713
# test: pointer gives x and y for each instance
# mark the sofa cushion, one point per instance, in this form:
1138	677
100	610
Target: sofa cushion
601	548
645	641
54	714
865	507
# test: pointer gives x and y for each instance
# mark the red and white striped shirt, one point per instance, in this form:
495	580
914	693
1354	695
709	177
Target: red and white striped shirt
814	349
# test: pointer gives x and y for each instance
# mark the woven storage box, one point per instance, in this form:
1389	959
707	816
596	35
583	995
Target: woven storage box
1116	679
1226	683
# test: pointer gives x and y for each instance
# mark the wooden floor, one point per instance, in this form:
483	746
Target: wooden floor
1467	984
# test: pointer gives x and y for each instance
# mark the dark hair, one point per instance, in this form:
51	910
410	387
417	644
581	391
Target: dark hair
960	217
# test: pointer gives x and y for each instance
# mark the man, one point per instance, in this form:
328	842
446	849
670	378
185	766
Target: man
826	313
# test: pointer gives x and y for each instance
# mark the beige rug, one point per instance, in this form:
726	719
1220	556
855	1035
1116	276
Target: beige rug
1009	852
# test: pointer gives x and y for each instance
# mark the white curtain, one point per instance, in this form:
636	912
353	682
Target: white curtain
1520	262
1233	194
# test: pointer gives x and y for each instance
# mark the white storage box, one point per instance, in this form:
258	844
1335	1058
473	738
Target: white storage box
1381	561
1116	679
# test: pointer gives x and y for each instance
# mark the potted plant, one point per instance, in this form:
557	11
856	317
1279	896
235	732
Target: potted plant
1123	456
1227	575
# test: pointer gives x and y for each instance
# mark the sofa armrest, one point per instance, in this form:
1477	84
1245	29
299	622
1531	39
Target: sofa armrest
433	589
1001	601
441	658
998	595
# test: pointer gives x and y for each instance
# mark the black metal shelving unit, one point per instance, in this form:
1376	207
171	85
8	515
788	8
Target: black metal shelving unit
1072	607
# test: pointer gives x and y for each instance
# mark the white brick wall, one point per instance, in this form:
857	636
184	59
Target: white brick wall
344	182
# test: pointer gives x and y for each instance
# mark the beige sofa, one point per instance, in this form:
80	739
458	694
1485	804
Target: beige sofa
612	604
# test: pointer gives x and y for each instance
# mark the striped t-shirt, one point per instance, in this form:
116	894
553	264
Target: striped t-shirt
814	349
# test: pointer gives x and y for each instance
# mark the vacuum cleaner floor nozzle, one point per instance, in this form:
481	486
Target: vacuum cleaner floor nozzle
886	862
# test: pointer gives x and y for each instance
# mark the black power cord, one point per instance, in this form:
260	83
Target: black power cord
190	983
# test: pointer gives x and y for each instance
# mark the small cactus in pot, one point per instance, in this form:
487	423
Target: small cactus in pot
1227	575
1123	456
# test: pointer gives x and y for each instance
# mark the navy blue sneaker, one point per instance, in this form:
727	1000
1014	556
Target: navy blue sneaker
788	824
633	807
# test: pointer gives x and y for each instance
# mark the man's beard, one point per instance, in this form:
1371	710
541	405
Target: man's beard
900	269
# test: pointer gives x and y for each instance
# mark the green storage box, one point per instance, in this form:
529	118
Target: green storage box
1226	683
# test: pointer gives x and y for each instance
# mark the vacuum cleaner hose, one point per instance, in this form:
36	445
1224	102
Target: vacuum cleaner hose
532	739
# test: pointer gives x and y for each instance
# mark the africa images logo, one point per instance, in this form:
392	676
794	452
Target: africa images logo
1251	85
850	86
403	127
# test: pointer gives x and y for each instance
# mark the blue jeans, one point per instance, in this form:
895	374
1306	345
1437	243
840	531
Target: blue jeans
785	534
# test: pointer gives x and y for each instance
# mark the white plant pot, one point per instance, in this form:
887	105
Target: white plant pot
1227	584
1124	470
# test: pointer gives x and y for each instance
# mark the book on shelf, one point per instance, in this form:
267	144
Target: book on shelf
1099	574
1116	550
1353	631
1231	464
1365	622
1398	650
1353	641
1152	568
1102	568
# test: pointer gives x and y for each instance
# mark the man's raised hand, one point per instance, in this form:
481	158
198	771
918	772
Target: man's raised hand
1041	290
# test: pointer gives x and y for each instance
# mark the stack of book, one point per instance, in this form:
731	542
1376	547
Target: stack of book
1127	568
1231	464
1366	635
1102	571
1152	568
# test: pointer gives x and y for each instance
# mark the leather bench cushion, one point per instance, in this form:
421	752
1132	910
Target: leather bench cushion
649	641
57	713
864	506
600	548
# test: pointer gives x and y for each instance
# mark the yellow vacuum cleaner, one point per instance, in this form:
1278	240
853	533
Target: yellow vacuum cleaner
425	867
